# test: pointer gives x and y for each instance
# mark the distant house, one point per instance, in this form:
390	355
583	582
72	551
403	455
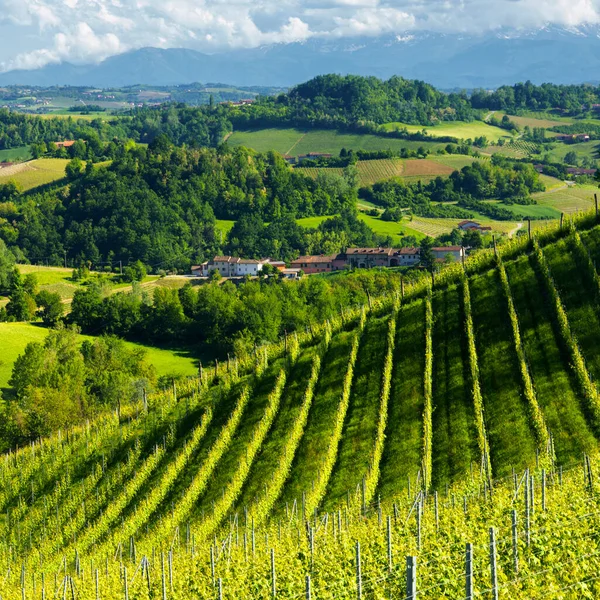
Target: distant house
292	273
231	266
440	253
314	264
472	226
312	156
365	258
408	257
580	171
66	144
575	137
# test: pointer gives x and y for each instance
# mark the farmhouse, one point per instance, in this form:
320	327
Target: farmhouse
365	258
315	264
66	144
440	253
472	226
231	266
312	156
580	171
575	137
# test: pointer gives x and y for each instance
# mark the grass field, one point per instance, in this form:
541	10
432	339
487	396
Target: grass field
569	200
455	129
384	228
456	161
295	142
531	121
15	154
34	173
224	226
585	149
529	210
15	336
436	227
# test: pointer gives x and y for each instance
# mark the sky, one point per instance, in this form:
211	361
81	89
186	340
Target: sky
34	33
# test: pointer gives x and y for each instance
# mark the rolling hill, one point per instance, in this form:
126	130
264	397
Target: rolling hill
314	467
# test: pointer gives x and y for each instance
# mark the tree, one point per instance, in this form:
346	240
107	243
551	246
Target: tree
135	272
427	256
7	262
74	169
571	158
50	307
21	304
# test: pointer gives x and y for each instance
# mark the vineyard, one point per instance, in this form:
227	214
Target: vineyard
372	171
437	443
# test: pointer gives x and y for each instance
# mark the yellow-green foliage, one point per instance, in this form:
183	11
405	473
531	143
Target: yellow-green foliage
586	385
474	371
372	478
427	394
535	414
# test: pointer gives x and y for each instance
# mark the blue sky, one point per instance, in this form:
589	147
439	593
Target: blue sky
34	33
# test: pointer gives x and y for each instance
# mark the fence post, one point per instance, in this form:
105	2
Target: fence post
544	490
515	542
411	578
419	526
493	572
164	580
212	564
469	572
389	543
273	580
358	573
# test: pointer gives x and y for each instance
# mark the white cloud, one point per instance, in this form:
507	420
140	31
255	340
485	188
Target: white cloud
90	30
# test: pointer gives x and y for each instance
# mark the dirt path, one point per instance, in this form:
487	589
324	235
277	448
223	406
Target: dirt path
297	142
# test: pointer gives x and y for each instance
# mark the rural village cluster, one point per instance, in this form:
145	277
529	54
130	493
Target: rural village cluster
352	258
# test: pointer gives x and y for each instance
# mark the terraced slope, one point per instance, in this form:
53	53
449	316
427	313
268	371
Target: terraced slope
438	409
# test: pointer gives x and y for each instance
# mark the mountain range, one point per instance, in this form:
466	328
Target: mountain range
452	61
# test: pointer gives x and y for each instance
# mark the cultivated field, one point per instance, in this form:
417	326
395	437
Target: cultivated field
35	173
15	154
372	171
455	129
357	459
295	142
532	121
569	200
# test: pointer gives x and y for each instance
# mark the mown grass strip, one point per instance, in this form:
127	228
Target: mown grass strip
316	494
404	433
535	413
186	503
319	427
386	383
455	433
511	439
482	440
428	394
586	386
555	383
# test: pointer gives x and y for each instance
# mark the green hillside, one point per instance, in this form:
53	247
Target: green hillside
409	426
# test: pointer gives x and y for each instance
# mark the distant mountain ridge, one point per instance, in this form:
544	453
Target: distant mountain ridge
550	54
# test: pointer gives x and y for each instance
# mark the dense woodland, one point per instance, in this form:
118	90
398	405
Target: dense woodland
159	205
331	101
